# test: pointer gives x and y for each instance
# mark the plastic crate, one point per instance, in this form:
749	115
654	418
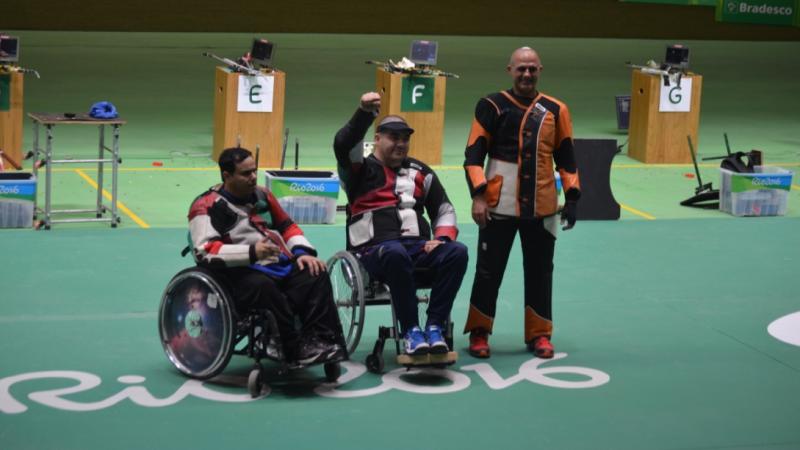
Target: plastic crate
307	196
763	193
17	196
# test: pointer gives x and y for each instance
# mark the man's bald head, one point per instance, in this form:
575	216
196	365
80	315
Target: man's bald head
518	53
524	67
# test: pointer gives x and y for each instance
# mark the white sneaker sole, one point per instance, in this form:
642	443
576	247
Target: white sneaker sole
438	348
422	349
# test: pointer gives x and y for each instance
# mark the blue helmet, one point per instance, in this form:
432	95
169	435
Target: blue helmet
103	110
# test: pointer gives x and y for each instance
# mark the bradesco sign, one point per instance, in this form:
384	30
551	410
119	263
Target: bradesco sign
771	12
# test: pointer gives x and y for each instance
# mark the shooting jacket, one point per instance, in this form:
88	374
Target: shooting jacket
386	203
522	137
224	232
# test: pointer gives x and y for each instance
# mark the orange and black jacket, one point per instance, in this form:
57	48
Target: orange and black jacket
522	138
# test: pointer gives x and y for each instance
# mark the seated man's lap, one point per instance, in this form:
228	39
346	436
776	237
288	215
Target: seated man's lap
386	260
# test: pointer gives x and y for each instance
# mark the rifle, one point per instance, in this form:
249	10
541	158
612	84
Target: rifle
234	66
19	69
669	73
393	67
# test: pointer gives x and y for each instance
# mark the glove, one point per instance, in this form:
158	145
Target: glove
569	214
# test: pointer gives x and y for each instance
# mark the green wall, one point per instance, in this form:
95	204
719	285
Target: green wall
566	18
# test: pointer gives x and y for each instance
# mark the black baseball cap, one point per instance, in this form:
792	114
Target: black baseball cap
394	123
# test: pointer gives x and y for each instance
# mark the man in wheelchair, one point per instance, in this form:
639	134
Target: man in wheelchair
240	231
388	193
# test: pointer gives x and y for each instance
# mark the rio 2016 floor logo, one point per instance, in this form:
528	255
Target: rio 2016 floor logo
786	329
530	371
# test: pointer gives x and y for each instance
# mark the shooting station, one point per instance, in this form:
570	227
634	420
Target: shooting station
195	198
249	103
415	89
665	107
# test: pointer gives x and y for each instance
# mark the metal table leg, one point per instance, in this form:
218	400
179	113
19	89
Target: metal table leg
101	149
114	172
48	158
36	167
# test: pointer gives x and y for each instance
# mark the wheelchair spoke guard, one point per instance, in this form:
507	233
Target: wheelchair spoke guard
347	281
196	323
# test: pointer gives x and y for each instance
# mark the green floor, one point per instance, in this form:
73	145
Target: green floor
662	316
665	320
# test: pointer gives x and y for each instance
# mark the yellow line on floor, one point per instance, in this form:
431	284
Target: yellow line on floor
796	187
120	205
637	212
155	169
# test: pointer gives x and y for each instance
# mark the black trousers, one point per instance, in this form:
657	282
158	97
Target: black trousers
494	246
299	294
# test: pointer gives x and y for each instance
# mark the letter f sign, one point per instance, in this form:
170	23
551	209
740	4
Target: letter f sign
416	93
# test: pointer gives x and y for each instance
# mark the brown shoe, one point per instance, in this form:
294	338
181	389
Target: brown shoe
479	343
541	347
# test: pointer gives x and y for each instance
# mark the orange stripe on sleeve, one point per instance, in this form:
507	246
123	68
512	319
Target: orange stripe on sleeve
477	132
476	175
564	130
569	180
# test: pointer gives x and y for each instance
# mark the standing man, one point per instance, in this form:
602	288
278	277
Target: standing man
522	131
388	194
241	232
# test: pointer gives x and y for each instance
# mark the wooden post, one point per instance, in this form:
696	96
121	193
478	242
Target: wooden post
426	142
248	129
660	137
11	117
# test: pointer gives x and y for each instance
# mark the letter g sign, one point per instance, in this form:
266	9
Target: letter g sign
675	96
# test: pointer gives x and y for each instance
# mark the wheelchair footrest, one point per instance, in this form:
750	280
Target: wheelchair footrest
443	359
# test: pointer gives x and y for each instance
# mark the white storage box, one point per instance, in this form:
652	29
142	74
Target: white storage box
763	193
17	196
307	196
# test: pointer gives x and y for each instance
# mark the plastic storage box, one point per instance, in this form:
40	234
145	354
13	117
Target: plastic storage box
307	196
763	193
17	195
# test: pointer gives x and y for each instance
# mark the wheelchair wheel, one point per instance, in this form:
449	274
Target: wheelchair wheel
375	363
255	381
196	323
347	281
332	371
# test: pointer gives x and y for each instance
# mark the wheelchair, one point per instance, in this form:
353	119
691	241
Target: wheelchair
354	290
200	329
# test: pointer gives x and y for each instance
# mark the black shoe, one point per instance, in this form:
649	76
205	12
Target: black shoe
334	353
311	351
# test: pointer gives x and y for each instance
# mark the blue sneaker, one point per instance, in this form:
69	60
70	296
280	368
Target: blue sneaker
415	342
436	341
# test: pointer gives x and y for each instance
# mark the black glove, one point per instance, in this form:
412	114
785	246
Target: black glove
569	214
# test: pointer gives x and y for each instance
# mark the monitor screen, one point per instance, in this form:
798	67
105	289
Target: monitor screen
261	53
423	53
678	56
9	48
